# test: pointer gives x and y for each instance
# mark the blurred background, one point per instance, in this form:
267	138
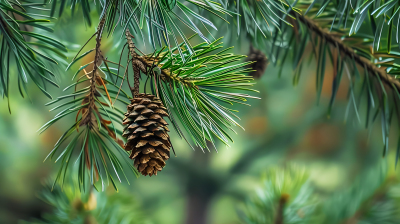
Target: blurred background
284	126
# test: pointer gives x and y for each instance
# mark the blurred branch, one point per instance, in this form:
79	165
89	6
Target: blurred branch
279	219
369	202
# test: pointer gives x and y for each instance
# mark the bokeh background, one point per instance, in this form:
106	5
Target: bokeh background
285	126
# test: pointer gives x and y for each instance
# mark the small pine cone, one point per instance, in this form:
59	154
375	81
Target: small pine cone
260	62
147	134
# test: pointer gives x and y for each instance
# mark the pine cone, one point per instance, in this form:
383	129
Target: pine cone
147	134
260	62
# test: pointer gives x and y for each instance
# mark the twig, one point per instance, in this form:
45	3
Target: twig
279	217
122	82
120	57
115	63
84	46
88	118
137	64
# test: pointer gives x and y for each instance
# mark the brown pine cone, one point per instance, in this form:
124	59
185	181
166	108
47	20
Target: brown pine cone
147	134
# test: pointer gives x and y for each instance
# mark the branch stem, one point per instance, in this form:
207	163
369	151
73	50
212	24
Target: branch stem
279	216
137	65
145	63
348	51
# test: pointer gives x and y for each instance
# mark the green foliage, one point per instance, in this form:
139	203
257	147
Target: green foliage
194	89
74	5
99	158
285	195
199	87
365	59
72	206
194	86
165	25
168	4
30	59
260	17
372	198
256	20
379	15
199	83
100	152
162	21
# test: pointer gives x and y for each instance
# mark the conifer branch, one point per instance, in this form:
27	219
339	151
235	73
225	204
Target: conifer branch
29	61
193	86
379	193
348	51
100	148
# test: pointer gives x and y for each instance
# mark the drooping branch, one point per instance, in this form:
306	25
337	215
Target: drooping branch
348	51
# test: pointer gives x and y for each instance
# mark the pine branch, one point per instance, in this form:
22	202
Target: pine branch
370	199
192	83
379	193
102	162
191	87
69	205
346	55
197	87
30	59
271	202
376	13
348	51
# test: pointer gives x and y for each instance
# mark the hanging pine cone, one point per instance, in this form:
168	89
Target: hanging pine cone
147	134
260	62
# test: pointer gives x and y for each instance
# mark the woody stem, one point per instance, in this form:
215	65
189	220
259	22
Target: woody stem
136	64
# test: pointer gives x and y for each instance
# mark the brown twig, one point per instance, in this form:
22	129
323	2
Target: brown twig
165	73
145	62
137	64
279	217
122	82
348	51
88	117
90	113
